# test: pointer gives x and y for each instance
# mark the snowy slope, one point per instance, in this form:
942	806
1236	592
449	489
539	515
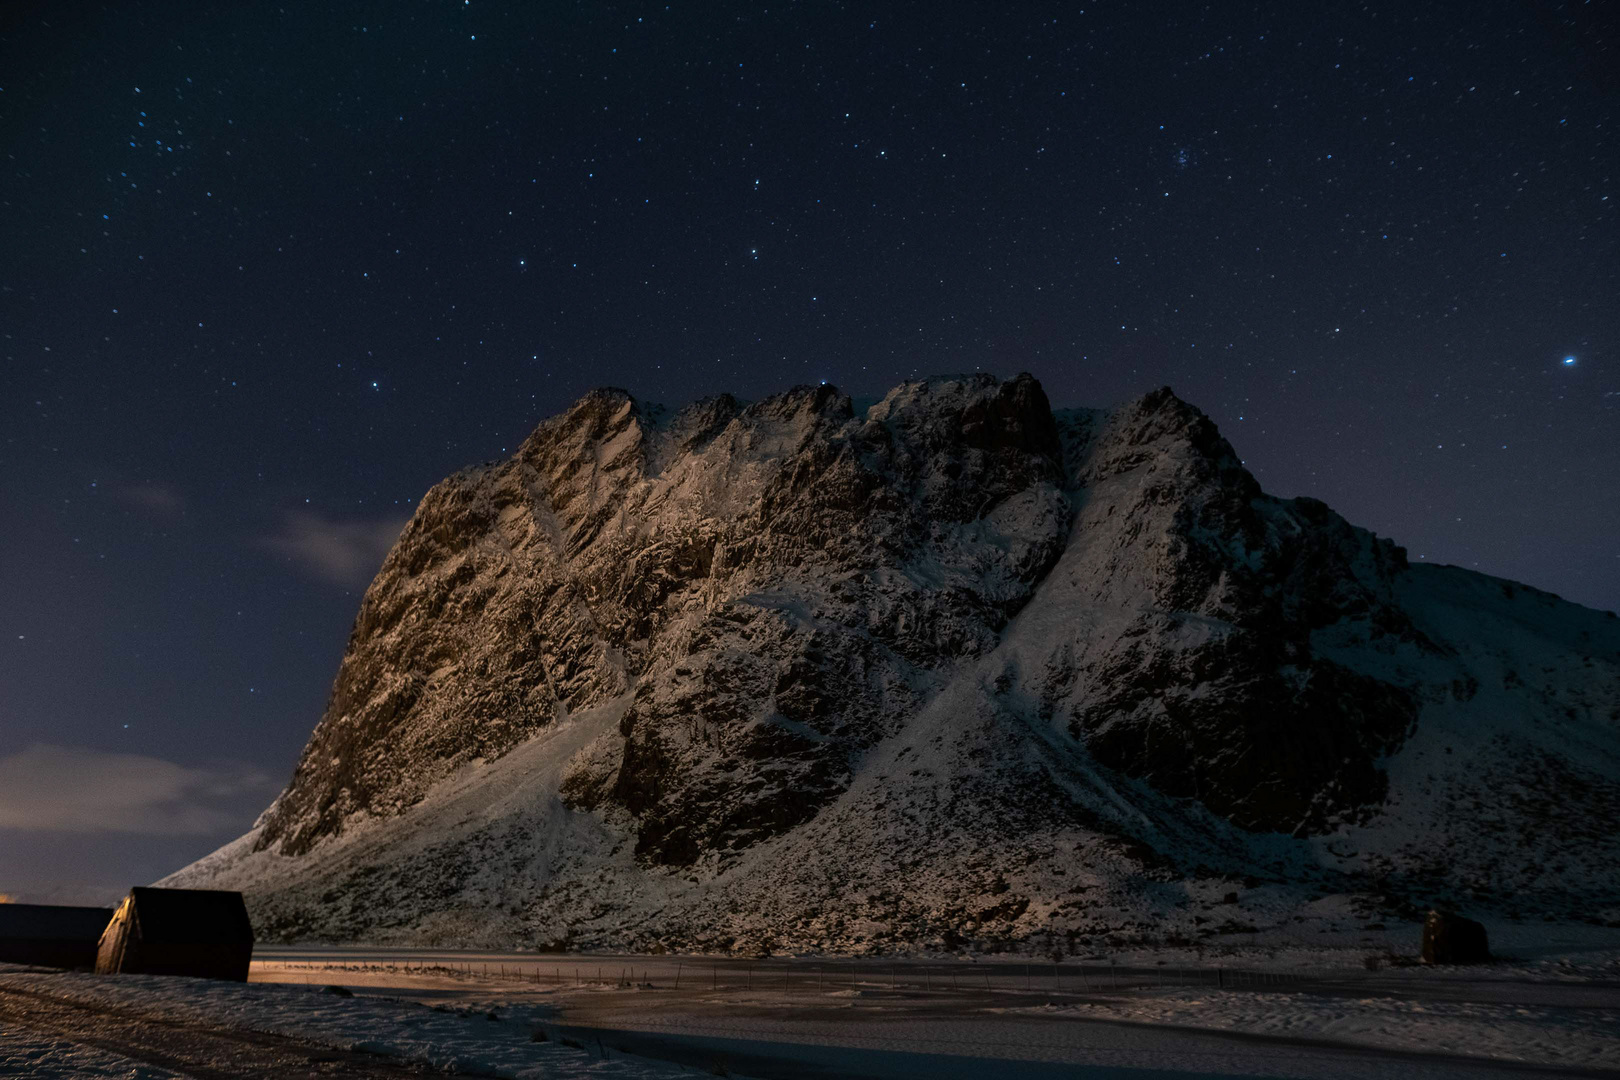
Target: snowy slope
957	670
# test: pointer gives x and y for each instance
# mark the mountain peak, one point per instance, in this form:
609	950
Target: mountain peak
786	658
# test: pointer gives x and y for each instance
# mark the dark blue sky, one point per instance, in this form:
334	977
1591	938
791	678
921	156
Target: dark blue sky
268	274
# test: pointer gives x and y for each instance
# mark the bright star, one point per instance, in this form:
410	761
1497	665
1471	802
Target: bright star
1569	361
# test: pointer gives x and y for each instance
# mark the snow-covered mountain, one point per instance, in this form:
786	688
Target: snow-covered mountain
950	669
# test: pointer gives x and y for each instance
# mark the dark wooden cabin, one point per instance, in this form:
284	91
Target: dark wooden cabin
50	935
199	932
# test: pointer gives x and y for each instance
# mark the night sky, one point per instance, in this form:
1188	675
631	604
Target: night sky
267	274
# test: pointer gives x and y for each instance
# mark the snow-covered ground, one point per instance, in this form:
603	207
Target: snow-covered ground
489	1041
1160	1014
1560	1034
47	1057
1556	1004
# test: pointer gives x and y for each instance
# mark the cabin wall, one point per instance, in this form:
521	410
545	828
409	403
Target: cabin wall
49	952
140	937
114	945
198	961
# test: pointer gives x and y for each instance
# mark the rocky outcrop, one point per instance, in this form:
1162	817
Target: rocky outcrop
1448	938
982	662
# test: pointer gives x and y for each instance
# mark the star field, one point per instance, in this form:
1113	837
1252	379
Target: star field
271	272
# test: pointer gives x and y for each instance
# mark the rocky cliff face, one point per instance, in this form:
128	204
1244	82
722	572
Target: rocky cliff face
776	582
953	665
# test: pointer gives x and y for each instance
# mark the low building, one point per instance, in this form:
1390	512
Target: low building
199	932
50	935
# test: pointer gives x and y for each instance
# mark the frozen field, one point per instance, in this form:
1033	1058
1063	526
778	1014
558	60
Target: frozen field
1272	1013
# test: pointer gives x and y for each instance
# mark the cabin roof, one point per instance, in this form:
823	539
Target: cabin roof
191	916
52	922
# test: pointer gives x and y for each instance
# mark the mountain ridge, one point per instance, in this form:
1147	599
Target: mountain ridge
1065	672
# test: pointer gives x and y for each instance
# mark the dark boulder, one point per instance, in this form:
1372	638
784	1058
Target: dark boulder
1451	939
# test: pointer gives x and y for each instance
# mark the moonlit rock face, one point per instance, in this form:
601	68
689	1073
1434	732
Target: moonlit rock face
953	668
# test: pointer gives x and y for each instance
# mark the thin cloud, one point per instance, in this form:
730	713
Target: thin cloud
342	552
160	499
59	788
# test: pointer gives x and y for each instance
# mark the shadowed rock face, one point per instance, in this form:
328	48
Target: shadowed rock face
1212	689
780	586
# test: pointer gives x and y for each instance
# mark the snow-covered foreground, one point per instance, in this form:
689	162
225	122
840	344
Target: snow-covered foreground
667	1016
485	1042
47	1057
1279	1012
1585	1037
